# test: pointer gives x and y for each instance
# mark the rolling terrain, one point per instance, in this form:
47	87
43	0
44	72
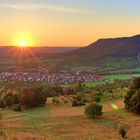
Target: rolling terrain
64	122
105	56
30	58
110	53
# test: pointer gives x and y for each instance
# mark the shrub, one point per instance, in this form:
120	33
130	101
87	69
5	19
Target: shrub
9	101
79	96
122	130
78	87
58	90
135	102
2	104
132	99
97	99
32	97
48	91
128	97
69	91
55	100
93	109
16	99
136	83
17	108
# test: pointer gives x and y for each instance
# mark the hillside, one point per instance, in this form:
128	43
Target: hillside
111	52
117	47
6	50
102	56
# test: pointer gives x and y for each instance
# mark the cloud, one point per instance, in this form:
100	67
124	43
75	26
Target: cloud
41	6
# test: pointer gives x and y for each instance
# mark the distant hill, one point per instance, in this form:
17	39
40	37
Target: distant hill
111	47
42	49
110	52
9	50
103	55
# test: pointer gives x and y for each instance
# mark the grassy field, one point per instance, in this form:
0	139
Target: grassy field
65	122
109	79
62	121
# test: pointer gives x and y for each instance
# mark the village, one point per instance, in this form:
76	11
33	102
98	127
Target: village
49	78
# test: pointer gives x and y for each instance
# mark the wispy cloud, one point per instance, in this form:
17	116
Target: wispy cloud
41	6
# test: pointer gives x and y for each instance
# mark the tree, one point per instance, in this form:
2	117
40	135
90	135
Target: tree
9	101
97	99
16	99
135	102
78	87
93	109
128	97
2	104
136	83
17	107
32	97
69	91
122	130
58	90
132	98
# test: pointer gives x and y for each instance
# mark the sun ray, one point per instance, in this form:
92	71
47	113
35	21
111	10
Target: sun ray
24	53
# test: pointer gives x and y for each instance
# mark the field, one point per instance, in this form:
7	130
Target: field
110	79
63	122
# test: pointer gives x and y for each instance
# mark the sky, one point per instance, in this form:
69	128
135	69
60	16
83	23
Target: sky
67	22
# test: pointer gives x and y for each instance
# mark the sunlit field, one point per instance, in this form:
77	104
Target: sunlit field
65	122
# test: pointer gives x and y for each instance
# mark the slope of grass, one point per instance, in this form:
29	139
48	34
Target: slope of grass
66	122
27	121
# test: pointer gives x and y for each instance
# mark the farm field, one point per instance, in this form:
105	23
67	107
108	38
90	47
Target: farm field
61	122
109	79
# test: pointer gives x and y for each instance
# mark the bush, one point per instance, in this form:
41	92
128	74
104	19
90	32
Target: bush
55	100
33	97
69	91
93	109
122	130
79	96
135	102
132	98
96	99
136	83
16	99
58	90
128	97
2	104
78	87
9	101
17	108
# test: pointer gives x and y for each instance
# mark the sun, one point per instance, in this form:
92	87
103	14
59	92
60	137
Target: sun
23	43
23	40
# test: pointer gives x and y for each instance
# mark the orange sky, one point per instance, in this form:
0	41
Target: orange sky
66	24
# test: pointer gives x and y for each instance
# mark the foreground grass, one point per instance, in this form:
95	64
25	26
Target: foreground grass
66	122
26	121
